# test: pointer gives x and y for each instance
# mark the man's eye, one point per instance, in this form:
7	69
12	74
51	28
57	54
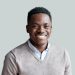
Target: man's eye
46	26
34	26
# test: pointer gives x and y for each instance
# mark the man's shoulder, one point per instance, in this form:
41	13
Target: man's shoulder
57	49
17	51
20	47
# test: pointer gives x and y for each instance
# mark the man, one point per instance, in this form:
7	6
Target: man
37	56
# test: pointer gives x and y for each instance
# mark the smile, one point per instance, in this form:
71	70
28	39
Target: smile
41	36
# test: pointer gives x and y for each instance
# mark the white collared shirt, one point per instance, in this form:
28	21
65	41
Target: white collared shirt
37	53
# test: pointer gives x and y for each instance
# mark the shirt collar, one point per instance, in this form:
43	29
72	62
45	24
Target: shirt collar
36	52
34	49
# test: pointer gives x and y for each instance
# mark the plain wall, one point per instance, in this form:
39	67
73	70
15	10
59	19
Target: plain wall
13	19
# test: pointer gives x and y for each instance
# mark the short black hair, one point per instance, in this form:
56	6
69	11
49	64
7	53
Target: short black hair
38	10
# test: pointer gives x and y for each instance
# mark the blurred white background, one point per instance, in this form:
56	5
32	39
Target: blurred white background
13	19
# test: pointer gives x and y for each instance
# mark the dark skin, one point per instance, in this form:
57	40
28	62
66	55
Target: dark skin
39	29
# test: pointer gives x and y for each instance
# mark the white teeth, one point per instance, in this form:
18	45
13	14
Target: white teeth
41	36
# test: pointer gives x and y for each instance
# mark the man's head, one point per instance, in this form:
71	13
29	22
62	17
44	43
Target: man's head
39	25
37	10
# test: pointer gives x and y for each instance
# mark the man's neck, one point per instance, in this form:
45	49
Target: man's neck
40	47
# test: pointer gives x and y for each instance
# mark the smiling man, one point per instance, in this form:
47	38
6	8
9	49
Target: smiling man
39	29
37	56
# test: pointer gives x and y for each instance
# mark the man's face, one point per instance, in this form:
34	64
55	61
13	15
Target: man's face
39	28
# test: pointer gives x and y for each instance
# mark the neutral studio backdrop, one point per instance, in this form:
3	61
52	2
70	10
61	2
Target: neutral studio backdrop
13	19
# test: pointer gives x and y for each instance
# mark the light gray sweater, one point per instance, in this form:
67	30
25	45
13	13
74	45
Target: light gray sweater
20	61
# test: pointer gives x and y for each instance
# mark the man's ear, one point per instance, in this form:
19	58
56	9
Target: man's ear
27	28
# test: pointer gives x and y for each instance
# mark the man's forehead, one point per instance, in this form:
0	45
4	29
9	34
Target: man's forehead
40	17
39	14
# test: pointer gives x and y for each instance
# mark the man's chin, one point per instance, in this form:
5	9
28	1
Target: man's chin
42	42
39	42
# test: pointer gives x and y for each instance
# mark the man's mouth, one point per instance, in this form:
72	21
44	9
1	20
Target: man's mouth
43	36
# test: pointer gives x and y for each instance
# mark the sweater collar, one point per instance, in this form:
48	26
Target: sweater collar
36	52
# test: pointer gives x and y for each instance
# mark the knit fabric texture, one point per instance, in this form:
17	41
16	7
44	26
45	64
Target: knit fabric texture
20	61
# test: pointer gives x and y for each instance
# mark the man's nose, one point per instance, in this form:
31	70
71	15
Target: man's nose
41	29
